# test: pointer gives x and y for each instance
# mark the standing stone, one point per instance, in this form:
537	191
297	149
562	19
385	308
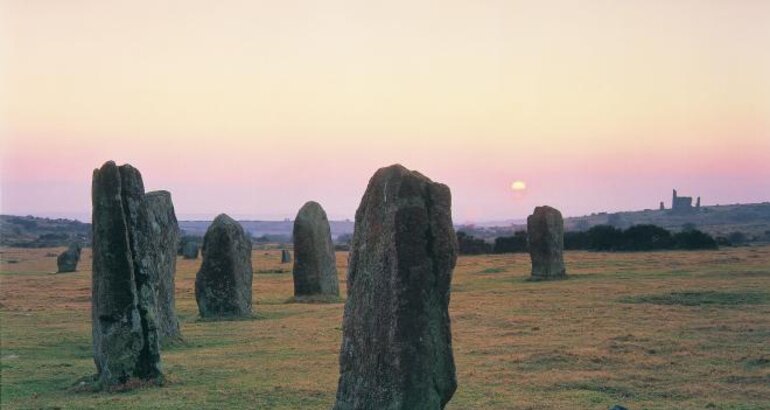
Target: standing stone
190	250
315	268
397	344
223	283
545	233
68	260
164	234
285	256
123	303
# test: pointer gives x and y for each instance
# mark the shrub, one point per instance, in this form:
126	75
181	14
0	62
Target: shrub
510	244
646	238
469	245
605	238
694	239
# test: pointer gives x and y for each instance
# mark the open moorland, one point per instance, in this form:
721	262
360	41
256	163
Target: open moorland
655	330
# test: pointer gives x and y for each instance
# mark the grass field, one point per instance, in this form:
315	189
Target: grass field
657	330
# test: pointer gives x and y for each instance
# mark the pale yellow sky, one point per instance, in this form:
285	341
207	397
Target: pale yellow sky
564	94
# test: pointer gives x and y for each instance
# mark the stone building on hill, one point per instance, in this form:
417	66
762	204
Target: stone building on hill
683	204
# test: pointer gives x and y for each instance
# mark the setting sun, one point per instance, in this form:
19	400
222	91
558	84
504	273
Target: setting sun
518	186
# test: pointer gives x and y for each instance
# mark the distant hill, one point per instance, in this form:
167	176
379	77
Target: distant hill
34	232
752	220
276	229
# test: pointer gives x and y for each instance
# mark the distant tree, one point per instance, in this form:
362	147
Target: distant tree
737	238
576	240
582	225
605	238
342	243
615	220
695	239
722	241
689	226
510	244
469	245
646	238
185	239
344	239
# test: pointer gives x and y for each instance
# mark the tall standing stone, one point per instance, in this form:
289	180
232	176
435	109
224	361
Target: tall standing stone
285	256
123	303
315	268
68	260
164	231
223	283
397	344
545	234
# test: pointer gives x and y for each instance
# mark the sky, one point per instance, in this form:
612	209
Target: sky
254	107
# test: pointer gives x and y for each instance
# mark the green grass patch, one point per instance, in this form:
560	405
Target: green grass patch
492	270
614	391
704	298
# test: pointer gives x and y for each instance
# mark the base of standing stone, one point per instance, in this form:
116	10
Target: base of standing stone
91	384
546	278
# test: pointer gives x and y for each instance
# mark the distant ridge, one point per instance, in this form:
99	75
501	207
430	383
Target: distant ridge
750	219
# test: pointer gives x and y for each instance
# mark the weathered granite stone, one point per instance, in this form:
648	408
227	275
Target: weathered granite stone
164	237
190	250
397	344
285	256
315	268
223	283
123	304
545	236
68	260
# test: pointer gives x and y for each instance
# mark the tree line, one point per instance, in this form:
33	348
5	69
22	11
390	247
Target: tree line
598	238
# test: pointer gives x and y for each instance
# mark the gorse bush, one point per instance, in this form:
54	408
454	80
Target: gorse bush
469	245
510	244
610	238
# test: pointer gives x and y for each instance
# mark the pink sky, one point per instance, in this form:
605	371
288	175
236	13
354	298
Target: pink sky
253	108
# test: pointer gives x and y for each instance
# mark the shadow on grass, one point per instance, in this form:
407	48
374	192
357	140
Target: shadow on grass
271	271
320	299
492	270
245	318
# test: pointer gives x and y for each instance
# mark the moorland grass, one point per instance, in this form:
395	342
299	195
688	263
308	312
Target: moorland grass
655	330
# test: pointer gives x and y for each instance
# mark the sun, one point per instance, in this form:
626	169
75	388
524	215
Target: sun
518	186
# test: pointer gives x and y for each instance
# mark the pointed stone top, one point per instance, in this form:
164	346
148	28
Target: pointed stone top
224	219
311	209
546	209
397	170
159	193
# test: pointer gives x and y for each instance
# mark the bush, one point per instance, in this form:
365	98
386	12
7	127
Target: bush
510	244
637	238
737	238
605	238
469	245
576	240
647	238
694	239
